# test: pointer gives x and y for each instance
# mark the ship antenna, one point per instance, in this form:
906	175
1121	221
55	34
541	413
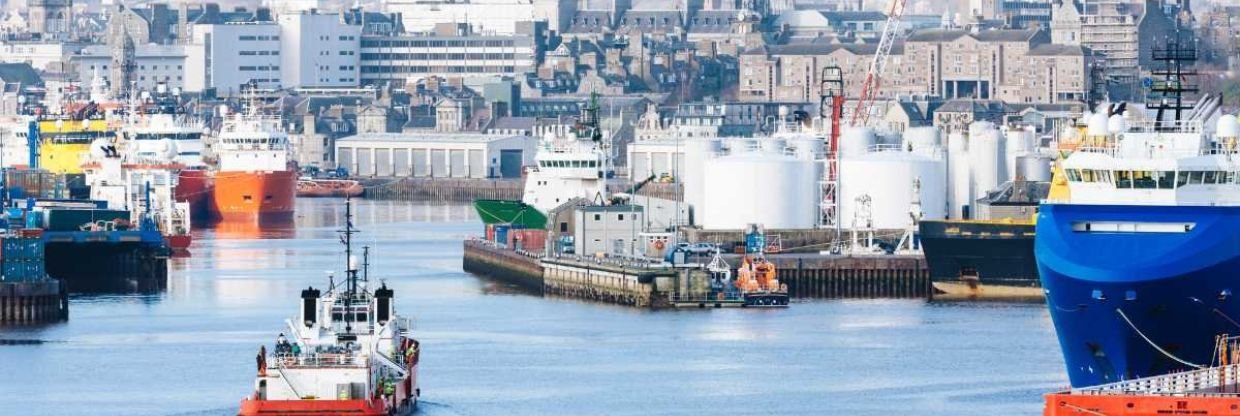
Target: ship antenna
366	264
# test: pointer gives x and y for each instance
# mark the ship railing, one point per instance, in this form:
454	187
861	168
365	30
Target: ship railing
314	360
1151	126
1221	381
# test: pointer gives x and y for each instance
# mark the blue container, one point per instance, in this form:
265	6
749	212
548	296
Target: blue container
755	243
12	249
34	219
33	270
14	271
501	234
38	247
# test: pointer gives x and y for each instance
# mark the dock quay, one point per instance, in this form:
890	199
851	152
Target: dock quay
655	285
467	190
27	294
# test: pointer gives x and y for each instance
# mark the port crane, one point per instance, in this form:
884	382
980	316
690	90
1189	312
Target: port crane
869	90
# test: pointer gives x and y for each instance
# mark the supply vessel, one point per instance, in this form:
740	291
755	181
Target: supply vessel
573	164
347	352
254	179
1139	254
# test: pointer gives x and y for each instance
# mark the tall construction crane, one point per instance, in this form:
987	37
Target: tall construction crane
869	90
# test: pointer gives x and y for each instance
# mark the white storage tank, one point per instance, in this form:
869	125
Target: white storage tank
776	191
1020	141
888	179
857	140
959	186
697	152
773	145
923	140
986	158
1034	167
808	147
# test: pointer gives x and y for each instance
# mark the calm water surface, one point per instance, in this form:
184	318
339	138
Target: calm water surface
490	349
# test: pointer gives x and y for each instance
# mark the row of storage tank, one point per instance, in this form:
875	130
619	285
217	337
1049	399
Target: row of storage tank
779	181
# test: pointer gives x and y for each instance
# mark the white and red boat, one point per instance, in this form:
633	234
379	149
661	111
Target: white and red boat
347	352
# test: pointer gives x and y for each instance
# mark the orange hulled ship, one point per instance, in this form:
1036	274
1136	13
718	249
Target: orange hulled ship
255	180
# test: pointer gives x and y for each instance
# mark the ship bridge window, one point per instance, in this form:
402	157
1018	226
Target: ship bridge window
1194	177
1166	180
1123	179
1209	177
1074	175
1143	179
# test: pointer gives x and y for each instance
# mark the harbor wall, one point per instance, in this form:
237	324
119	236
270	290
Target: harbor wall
612	281
860	277
24	303
600	282
792	241
487	259
108	267
467	190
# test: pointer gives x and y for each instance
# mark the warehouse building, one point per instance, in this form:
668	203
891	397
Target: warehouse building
435	155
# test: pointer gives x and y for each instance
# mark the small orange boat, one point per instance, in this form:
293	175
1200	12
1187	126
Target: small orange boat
335	188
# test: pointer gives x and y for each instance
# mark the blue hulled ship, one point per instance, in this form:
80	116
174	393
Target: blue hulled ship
1138	244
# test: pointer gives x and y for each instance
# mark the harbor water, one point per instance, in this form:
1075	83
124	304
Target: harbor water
490	349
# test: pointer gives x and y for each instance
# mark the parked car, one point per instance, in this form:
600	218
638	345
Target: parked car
703	248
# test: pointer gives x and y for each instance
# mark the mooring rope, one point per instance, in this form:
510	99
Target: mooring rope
1152	344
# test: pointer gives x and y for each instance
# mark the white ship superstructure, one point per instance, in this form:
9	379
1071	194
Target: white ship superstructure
570	163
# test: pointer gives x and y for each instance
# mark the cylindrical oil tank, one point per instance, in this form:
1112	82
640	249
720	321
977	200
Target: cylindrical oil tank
773	145
959	188
697	152
808	147
857	140
1034	167
925	141
888	178
1020	141
776	191
986	158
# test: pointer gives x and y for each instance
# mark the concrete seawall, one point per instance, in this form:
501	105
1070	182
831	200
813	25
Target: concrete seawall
482	258
612	281
24	303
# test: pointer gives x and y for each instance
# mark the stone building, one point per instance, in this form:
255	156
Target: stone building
1009	65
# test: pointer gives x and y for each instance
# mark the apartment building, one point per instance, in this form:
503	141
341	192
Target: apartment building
319	50
236	54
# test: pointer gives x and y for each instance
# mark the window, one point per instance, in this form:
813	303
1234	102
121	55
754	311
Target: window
1165	180
1194	177
1209	177
598	217
620	217
1143	179
1123	179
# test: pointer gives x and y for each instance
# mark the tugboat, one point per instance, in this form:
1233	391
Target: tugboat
347	352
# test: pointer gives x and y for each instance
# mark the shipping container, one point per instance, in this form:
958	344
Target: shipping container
530	240
501	234
14	271
74	219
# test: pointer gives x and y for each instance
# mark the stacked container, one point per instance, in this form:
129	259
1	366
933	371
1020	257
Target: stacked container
21	259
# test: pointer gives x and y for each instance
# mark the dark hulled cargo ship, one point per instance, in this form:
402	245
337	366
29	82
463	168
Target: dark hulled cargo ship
989	258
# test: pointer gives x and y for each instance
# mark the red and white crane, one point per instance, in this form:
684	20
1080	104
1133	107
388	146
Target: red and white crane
869	90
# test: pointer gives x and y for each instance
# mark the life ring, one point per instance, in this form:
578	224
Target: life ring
659	244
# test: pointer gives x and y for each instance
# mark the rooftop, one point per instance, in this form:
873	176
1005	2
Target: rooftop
427	138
